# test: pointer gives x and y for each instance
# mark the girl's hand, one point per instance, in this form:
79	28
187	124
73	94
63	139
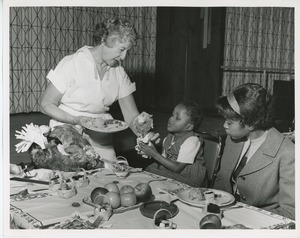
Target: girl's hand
154	137
149	150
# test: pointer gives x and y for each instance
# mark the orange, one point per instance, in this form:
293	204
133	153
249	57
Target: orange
114	199
128	199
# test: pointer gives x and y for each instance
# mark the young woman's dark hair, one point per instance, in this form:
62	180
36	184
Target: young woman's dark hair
195	112
250	104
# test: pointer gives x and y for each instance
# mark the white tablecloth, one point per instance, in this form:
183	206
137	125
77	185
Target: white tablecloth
52	209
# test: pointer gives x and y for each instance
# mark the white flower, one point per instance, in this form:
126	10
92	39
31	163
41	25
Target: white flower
31	134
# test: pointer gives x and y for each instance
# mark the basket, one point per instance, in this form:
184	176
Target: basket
163	223
82	181
66	193
55	180
102	210
121	170
122	161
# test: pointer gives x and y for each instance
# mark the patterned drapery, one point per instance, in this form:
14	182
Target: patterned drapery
41	36
259	46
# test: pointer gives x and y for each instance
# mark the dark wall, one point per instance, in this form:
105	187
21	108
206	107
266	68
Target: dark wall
284	100
184	69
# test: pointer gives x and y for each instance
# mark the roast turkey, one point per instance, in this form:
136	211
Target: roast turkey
67	150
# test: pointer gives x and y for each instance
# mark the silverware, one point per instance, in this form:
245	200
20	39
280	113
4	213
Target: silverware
156	180
29	180
93	171
231	208
42	189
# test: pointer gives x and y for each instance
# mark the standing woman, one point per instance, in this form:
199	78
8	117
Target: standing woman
258	163
88	82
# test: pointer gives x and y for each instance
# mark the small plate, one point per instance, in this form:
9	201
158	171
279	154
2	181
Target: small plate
222	199
109	126
148	209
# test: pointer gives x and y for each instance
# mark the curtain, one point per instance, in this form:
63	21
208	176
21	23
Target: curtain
259	46
41	36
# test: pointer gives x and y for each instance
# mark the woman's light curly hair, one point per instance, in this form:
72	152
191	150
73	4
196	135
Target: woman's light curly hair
113	28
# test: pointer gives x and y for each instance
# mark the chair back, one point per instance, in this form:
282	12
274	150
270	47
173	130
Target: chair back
212	154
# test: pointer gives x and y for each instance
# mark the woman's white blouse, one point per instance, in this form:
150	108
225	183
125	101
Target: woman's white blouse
76	77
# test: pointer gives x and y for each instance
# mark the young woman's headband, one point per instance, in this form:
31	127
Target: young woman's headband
233	103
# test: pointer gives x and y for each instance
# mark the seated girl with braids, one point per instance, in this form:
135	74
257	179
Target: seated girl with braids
182	155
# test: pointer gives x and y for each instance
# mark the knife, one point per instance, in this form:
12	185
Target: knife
29	180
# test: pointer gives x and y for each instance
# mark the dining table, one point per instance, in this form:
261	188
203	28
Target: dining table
45	210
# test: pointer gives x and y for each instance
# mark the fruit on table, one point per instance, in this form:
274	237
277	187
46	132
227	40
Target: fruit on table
113	199
96	192
76	204
128	199
112	187
239	226
126	189
143	192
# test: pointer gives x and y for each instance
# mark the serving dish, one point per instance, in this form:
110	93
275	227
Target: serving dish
101	125
88	201
149	209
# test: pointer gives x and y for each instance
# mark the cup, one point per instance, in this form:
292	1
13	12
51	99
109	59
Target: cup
210	221
163	222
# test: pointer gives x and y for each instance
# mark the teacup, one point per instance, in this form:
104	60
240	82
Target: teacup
210	221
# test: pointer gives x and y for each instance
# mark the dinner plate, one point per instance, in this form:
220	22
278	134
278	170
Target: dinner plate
108	126
222	198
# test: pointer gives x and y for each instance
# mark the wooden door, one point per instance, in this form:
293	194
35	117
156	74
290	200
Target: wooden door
185	70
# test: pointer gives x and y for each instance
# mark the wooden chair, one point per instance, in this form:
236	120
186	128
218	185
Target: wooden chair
212	154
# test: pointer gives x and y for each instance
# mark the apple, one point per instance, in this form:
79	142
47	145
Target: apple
143	192
128	199
126	189
112	187
114	199
98	191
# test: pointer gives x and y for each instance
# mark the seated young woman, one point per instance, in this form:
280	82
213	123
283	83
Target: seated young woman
258	162
182	155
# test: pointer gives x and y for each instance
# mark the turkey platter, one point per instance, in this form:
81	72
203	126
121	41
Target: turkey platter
66	150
